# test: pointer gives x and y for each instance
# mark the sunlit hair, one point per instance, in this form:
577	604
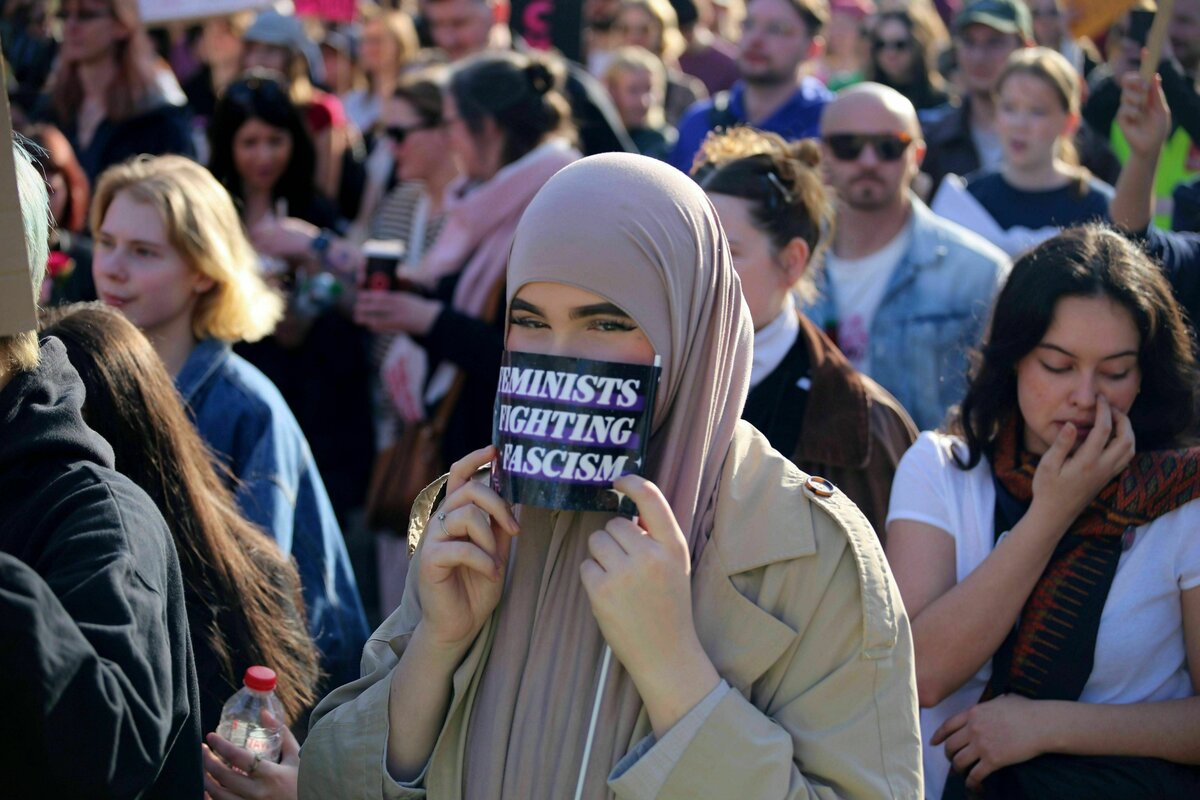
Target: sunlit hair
19	352
249	590
1085	261
422	89
669	44
782	181
203	227
136	62
1052	68
639	59
399	27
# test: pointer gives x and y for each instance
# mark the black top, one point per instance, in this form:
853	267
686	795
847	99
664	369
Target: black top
96	664
776	405
158	131
1012	207
475	347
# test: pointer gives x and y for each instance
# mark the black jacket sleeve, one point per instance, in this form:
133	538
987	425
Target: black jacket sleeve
470	343
96	659
1179	254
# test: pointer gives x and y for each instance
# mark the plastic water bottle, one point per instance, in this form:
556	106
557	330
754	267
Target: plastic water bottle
241	718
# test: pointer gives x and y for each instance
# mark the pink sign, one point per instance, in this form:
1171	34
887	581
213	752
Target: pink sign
332	10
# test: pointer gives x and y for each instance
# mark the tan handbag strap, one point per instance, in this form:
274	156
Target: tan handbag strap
446	407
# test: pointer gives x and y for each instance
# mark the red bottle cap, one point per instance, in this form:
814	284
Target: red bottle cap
260	679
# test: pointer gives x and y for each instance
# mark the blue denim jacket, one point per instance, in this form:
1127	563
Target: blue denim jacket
932	313
244	419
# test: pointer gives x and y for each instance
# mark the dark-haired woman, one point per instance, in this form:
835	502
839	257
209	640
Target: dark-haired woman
263	154
509	131
805	396
904	50
242	593
1045	546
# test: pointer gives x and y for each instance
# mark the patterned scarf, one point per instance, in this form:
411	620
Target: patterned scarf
1049	655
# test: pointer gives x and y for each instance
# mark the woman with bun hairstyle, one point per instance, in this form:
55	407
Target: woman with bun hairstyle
1045	543
759	648
171	255
509	129
243	595
805	396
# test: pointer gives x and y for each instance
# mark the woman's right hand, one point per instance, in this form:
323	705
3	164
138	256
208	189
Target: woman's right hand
464	557
1065	482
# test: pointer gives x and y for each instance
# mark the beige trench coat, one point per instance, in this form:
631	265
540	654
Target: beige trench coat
796	607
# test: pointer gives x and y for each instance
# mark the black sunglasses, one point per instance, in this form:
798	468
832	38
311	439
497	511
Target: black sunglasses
849	146
83	14
899	45
398	134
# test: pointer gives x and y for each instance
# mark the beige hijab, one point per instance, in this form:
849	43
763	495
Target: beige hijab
644	236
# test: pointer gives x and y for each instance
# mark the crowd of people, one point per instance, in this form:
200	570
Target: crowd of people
915	513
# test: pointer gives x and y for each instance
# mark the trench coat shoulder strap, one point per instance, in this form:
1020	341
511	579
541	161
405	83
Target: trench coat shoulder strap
880	597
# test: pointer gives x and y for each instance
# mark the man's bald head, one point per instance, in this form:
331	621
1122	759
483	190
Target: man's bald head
870	104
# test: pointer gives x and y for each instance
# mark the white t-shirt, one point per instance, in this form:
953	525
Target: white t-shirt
858	287
1140	654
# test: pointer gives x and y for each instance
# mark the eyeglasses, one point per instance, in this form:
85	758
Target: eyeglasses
398	134
849	146
83	14
899	45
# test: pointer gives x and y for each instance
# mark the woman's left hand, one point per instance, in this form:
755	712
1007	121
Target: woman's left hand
230	772
396	312
991	735
638	582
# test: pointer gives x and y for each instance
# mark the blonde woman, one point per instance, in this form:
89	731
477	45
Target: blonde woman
171	255
1039	188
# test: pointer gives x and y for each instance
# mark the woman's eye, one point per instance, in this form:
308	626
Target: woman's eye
144	252
611	325
528	322
1117	376
1055	370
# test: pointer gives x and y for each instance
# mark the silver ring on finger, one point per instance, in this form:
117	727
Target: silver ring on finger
441	517
257	760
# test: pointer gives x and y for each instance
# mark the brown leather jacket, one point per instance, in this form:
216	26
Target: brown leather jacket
854	432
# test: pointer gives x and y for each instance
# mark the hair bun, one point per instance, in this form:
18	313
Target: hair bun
806	151
540	78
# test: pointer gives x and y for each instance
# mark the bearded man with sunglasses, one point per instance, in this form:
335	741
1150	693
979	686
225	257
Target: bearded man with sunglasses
904	293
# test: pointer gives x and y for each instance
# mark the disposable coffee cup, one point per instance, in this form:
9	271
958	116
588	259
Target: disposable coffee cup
383	258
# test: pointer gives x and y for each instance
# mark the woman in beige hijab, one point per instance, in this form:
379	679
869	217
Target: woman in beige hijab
761	647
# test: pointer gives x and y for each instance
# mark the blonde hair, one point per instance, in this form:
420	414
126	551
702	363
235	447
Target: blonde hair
1052	68
204	229
639	59
19	352
671	43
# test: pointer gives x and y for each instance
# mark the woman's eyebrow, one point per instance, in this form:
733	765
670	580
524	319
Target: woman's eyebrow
598	310
1069	354
524	305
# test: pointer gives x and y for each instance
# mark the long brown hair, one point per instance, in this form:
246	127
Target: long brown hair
230	567
136	66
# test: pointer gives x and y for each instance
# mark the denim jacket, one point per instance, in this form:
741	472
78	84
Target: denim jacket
932	313
245	421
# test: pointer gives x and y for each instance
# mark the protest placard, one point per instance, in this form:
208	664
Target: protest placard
1094	17
566	428
330	10
17	311
157	12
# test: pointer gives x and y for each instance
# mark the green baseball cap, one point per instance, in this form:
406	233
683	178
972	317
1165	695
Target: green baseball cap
1006	16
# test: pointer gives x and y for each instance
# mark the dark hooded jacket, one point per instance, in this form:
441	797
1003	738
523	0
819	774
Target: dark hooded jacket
95	658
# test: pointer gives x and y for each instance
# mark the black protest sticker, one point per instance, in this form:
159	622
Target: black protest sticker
566	428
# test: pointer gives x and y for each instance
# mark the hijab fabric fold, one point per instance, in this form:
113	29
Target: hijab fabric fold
643	236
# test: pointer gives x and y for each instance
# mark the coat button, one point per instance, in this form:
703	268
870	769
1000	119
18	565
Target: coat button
819	486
